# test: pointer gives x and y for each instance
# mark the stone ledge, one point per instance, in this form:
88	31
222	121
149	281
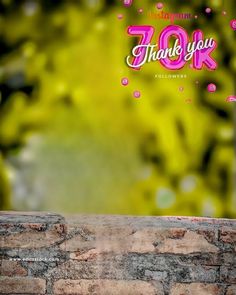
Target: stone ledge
30	217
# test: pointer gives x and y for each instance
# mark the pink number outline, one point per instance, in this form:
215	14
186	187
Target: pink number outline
209	62
179	33
146	33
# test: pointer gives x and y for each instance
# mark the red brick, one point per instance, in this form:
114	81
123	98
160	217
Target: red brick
31	237
146	240
190	243
210	235
22	285
228	235
11	268
231	290
195	289
106	287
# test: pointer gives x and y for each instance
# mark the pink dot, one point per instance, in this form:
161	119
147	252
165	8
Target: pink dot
233	24
181	88
231	98
140	10
208	10
137	94
120	16
128	2
211	87
159	5
124	81
195	16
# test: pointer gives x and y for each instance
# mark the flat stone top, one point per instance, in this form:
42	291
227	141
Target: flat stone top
16	217
30	217
150	221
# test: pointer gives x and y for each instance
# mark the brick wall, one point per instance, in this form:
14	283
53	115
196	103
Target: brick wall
43	253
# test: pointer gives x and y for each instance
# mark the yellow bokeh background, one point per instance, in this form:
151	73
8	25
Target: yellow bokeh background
73	139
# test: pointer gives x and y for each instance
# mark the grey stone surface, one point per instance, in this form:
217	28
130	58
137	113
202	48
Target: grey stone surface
30	217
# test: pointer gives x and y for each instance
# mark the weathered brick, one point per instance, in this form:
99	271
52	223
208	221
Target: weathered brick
22	285
210	235
31	236
103	239
231	290
90	254
146	240
109	254
78	243
11	268
106	287
190	243
195	289
228	235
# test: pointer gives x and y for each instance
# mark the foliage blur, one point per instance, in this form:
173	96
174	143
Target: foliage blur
73	139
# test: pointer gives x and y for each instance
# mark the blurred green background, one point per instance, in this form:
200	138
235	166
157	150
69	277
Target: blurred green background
73	139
